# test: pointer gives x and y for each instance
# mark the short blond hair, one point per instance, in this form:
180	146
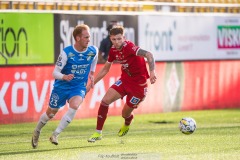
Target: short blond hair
78	30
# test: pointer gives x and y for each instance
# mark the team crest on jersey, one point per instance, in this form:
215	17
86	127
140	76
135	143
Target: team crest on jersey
89	58
134	100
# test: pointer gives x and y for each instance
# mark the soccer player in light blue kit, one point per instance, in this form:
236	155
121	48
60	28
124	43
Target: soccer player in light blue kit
74	66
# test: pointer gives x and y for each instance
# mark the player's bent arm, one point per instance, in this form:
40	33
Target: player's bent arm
103	72
57	73
91	77
151	63
61	62
149	56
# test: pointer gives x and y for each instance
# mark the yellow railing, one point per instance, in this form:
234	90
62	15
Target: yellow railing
226	6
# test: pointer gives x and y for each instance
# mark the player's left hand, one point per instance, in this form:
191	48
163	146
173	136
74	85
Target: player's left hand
88	88
153	77
91	77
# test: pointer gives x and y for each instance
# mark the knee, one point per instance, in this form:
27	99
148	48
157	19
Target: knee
51	115
75	107
103	103
51	112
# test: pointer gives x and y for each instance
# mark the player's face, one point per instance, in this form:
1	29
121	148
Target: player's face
84	38
117	40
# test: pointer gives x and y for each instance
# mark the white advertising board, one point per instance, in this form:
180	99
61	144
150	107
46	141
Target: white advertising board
192	37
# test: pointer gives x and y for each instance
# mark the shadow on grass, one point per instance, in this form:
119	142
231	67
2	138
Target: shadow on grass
46	150
161	122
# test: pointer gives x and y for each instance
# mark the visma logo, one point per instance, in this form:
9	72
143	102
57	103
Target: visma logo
228	37
12	42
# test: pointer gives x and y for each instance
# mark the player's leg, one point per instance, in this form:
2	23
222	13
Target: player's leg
136	94
111	96
74	104
56	101
128	117
44	118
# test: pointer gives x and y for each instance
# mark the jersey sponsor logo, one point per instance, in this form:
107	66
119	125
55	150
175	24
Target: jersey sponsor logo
118	83
59	63
134	100
91	54
79	69
70	55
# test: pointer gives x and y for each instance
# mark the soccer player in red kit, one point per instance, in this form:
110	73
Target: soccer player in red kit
132	83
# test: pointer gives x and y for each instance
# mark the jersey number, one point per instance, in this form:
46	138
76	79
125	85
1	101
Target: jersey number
53	102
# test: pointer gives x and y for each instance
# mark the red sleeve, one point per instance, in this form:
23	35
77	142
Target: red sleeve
131	48
111	56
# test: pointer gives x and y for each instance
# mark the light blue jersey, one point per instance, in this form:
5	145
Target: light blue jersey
71	61
79	64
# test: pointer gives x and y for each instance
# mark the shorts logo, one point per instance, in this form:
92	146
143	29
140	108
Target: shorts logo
55	96
118	83
82	92
134	100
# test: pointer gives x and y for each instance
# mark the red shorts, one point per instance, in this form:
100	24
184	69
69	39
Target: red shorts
135	93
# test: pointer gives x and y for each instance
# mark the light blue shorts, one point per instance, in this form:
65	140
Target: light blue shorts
59	97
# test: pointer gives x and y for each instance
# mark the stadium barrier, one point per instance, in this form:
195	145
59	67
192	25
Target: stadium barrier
180	86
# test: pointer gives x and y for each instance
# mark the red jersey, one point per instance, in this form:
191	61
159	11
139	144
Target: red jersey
133	66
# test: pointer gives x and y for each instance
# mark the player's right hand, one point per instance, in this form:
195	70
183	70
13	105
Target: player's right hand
68	77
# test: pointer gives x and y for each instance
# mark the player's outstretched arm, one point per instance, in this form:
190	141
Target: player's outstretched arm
151	63
91	77
102	72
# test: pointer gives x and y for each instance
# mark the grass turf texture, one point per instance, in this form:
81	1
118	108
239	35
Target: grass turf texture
152	136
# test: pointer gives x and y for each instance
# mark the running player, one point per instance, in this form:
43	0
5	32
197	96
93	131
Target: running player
74	66
132	83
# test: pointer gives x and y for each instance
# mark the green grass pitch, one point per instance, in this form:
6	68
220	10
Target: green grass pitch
151	137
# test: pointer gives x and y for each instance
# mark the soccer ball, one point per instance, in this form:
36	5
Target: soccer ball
187	125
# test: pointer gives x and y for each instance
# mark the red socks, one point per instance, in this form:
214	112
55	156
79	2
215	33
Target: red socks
128	120
102	115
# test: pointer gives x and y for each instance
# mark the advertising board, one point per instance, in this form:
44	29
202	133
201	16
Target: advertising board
26	39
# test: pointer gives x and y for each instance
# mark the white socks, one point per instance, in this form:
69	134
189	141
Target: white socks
42	121
99	131
66	119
